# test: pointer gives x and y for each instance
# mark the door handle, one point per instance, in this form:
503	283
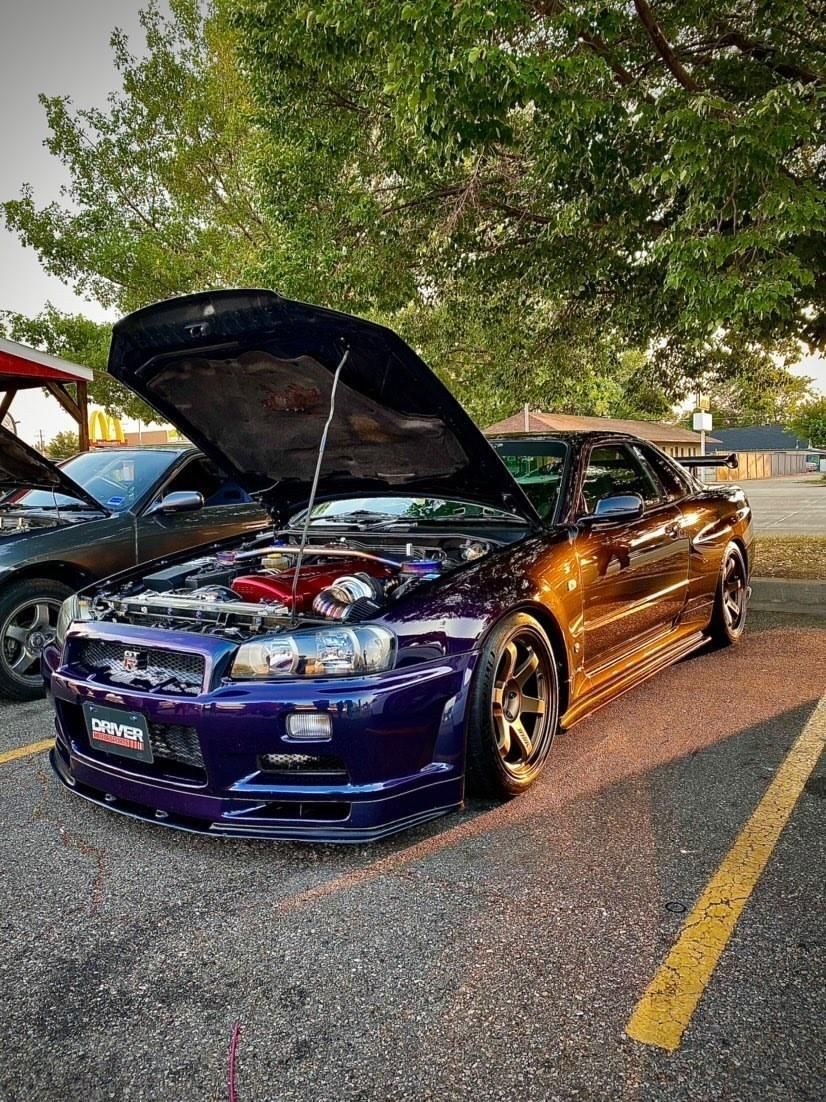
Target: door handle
674	530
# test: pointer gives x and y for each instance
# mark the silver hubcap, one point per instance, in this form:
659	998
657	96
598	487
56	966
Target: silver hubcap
25	633
521	711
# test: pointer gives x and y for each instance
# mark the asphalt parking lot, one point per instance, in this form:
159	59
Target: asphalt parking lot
788	506
495	954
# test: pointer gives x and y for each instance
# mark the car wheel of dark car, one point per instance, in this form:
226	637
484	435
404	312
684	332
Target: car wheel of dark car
728	621
28	617
514	709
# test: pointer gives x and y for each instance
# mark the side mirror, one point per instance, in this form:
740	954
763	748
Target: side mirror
182	501
614	509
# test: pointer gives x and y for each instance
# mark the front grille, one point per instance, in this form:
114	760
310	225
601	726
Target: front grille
177	743
149	669
303	765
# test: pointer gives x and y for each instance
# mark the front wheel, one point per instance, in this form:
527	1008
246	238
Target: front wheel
514	709
728	621
28	620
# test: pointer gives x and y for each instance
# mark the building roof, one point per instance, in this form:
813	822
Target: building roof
21	366
654	431
761	438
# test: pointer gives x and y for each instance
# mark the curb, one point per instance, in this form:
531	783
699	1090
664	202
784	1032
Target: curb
788	595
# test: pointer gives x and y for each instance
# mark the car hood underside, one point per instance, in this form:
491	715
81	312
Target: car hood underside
248	377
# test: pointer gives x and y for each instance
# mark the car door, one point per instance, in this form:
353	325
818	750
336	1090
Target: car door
634	575
227	511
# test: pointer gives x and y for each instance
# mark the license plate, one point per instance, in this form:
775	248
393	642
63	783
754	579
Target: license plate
118	732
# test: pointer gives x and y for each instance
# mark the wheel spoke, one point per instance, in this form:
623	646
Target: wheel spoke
522	738
507	665
41	616
533	705
23	663
18	634
503	734
527	669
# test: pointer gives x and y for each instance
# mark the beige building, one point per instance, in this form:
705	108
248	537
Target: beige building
672	439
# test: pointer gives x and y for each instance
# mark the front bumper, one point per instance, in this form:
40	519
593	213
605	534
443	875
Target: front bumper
395	756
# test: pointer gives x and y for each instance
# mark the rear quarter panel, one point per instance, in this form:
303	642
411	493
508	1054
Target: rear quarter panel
714	517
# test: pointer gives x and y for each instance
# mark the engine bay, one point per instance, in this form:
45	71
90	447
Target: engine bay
243	593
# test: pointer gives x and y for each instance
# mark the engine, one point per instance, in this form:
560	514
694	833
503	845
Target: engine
240	594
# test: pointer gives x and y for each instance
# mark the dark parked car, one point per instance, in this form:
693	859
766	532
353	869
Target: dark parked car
432	607
62	527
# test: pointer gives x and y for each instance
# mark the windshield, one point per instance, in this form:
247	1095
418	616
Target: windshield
537	466
117	480
387	510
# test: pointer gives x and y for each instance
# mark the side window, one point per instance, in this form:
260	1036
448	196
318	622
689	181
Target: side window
614	469
674	479
203	477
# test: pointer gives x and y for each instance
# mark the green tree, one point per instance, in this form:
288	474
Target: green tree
809	422
63	445
658	172
161	195
769	398
573	205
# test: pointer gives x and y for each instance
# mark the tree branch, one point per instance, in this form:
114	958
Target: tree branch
664	48
768	56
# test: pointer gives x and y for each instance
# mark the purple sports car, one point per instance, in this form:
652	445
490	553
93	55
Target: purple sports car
427	605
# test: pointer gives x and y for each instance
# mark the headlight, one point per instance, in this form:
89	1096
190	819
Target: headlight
323	652
73	608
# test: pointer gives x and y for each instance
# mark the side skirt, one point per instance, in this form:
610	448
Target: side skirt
660	660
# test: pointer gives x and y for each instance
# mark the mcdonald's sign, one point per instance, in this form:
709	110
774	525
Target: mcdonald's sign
105	429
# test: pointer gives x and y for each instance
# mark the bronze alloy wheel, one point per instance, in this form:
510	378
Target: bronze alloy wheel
519	707
514	708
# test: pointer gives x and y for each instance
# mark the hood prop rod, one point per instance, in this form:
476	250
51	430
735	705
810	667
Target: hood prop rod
322	446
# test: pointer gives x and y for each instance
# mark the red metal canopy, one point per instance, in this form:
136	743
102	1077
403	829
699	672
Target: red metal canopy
22	368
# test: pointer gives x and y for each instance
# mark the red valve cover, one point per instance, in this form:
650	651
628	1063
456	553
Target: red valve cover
312	578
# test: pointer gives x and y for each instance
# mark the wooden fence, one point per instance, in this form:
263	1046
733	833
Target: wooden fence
763	465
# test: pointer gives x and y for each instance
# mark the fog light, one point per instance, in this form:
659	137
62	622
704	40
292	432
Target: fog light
309	725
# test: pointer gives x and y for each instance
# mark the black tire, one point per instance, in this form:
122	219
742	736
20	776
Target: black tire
508	743
28	617
731	600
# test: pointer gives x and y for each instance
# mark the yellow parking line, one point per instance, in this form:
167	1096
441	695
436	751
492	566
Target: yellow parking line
26	751
665	1009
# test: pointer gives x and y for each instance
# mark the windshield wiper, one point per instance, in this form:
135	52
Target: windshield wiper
362	517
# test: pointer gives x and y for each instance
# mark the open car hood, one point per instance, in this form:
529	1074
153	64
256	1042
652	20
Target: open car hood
23	468
247	376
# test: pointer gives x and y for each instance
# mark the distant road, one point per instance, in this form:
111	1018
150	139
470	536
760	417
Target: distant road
788	506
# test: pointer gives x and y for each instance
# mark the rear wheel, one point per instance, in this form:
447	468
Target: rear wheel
728	621
28	619
514	709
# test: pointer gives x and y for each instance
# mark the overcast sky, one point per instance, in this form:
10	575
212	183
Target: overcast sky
60	47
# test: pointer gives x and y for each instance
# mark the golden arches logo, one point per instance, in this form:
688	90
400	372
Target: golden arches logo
105	429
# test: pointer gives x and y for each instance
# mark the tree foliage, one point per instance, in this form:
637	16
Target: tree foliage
809	422
63	445
591	206
656	175
161	196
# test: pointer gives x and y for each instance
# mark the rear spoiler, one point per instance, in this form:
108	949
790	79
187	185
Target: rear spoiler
729	461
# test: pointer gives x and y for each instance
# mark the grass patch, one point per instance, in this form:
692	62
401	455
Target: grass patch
791	557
